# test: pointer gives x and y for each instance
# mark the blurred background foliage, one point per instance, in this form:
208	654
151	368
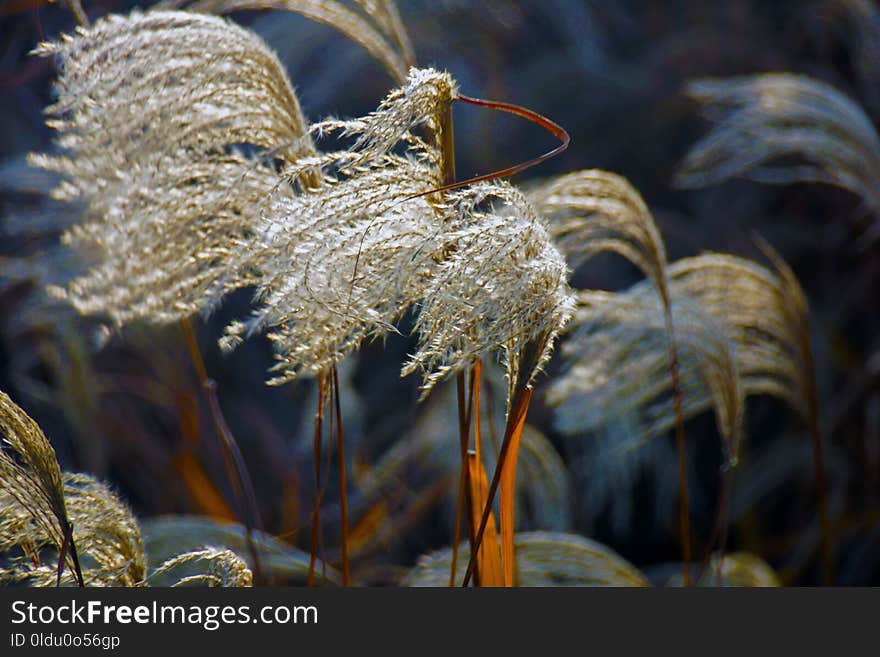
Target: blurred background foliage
127	408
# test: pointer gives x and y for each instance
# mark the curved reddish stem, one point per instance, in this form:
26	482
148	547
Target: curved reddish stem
550	126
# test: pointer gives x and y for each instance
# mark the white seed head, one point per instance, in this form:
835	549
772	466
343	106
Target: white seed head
783	128
341	261
501	286
170	126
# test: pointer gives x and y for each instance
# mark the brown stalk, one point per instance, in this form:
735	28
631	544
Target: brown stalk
506	502
488	570
343	497
463	502
684	522
233	460
76	9
492	414
69	547
316	503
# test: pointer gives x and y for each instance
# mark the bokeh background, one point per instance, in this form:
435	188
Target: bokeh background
129	409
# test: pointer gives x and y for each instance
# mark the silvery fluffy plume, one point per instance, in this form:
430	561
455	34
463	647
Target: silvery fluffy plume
170	127
38	504
374	24
501	285
619	356
744	329
784	128
616	361
766	314
344	260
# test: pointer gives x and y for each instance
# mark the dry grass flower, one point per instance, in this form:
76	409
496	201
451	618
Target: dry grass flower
209	566
46	514
503	286
783	128
743	329
343	261
33	491
544	559
170	125
376	26
616	361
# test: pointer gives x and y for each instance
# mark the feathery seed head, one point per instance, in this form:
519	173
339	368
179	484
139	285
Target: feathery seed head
742	330
340	262
208	566
616	361
343	261
29	472
39	505
502	287
158	117
783	128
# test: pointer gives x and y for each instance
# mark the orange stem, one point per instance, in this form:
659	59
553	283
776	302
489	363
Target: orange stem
515	422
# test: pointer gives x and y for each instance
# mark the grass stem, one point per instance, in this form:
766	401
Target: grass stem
343	497
233	460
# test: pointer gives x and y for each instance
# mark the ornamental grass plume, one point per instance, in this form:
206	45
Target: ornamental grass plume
51	520
734	307
35	512
212	567
376	26
544	559
784	128
745	333
503	286
216	185
67	528
616	361
105	534
171	126
343	261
